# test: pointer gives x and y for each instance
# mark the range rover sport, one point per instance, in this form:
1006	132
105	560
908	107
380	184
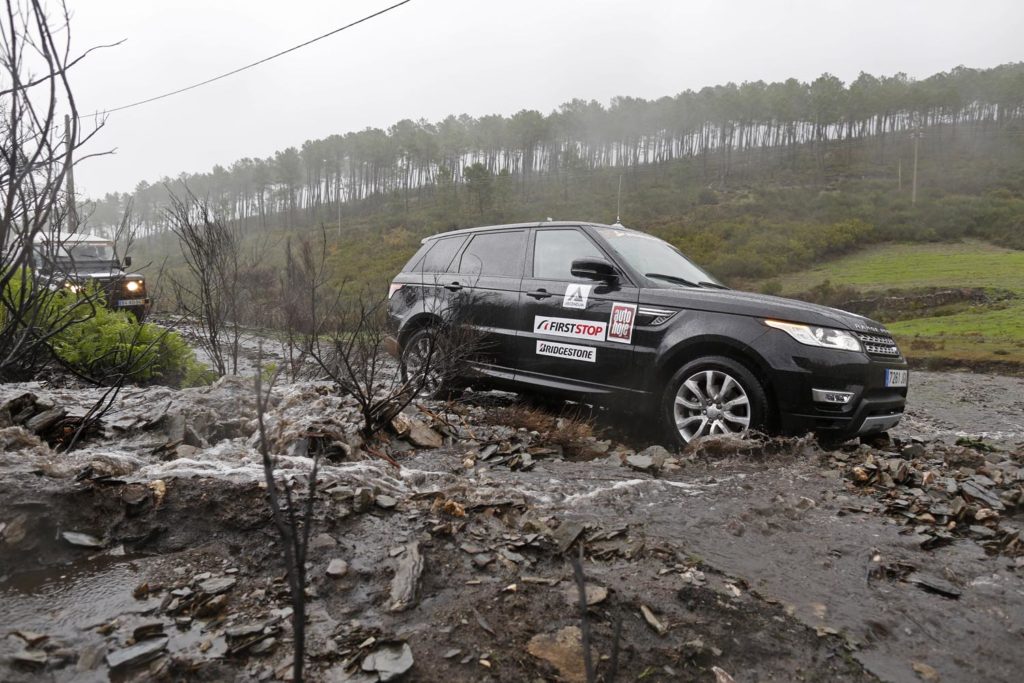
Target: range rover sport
614	316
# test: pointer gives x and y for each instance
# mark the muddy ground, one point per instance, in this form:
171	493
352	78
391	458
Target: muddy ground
149	553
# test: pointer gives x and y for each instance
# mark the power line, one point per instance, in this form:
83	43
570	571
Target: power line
253	64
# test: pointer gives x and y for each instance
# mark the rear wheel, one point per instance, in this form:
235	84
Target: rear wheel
713	395
422	363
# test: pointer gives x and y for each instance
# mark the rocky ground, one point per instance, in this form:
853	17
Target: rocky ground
149	553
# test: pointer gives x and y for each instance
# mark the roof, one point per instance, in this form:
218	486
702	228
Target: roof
512	226
71	238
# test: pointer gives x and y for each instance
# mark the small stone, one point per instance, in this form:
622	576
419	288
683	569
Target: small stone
389	661
213	606
263	646
31	658
218	585
244	631
659	455
362	499
652	620
455	652
147	630
82	540
926	672
595	594
321	541
985	513
337	568
641	463
139	653
386	502
423	436
563	650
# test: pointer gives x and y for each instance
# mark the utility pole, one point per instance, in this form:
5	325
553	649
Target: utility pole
69	166
913	190
899	174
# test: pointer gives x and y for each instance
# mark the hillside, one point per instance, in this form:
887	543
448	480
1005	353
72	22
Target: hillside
948	304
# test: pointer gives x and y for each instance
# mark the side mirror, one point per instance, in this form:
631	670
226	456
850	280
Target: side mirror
127	261
594	269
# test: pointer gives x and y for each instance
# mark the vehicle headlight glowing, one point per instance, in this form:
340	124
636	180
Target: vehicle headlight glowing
71	287
818	336
133	286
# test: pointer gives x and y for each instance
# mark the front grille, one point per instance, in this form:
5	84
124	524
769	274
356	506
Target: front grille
878	345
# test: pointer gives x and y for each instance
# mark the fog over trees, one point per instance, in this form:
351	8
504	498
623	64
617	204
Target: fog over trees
412	159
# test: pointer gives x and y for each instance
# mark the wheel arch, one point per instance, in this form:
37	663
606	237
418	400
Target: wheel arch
710	345
418	322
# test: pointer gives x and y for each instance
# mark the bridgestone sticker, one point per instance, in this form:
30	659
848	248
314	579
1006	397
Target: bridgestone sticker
570	351
576	296
592	330
620	323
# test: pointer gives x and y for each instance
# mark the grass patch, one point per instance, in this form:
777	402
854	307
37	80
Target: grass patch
973	334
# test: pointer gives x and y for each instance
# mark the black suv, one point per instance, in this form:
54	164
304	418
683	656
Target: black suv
611	315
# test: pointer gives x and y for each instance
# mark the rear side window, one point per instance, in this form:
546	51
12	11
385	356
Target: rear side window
413	263
498	254
555	250
441	254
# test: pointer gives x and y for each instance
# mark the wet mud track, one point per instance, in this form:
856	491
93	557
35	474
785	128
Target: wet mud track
767	566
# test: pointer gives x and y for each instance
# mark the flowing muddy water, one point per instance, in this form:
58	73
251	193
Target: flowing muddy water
765	565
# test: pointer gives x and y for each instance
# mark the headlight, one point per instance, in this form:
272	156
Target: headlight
71	287
133	286
818	336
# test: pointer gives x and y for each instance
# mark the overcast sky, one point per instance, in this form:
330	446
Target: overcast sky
430	58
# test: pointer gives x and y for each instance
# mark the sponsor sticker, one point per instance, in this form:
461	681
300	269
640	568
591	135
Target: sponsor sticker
620	323
576	296
567	327
570	351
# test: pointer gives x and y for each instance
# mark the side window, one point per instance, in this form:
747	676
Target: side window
555	250
413	263
441	254
495	253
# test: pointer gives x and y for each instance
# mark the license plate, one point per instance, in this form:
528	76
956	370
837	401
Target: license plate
131	302
896	378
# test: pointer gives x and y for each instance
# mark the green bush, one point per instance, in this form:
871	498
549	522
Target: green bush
99	342
114	342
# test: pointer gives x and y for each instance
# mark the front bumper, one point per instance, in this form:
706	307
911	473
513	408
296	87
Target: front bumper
803	378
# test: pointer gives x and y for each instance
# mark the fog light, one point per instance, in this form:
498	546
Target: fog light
830	396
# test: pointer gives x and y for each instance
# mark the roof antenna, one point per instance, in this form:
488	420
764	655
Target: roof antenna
618	205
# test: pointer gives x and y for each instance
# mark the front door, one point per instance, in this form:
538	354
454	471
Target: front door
574	334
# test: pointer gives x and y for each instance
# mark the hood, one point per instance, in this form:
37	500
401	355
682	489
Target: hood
759	306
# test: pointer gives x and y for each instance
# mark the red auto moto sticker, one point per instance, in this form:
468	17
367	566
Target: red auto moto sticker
620	324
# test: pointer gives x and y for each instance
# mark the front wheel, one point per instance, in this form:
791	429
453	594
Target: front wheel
713	395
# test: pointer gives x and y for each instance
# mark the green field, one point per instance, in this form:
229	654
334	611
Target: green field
992	333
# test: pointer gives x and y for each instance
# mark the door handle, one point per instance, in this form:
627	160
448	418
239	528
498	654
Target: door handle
453	287
539	294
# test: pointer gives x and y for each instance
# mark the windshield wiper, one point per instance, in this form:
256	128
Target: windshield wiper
673	279
713	285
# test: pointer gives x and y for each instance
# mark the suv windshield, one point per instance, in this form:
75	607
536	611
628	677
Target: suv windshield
657	259
87	254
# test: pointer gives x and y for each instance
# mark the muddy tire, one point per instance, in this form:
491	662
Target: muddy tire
710	396
422	362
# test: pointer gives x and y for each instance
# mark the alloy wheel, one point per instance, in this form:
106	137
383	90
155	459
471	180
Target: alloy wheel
422	364
711	402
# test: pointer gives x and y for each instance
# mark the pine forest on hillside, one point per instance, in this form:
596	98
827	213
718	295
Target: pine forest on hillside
491	159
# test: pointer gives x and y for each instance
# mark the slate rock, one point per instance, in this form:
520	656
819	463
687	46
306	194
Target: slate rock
337	568
389	661
140	653
563	650
218	585
82	540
